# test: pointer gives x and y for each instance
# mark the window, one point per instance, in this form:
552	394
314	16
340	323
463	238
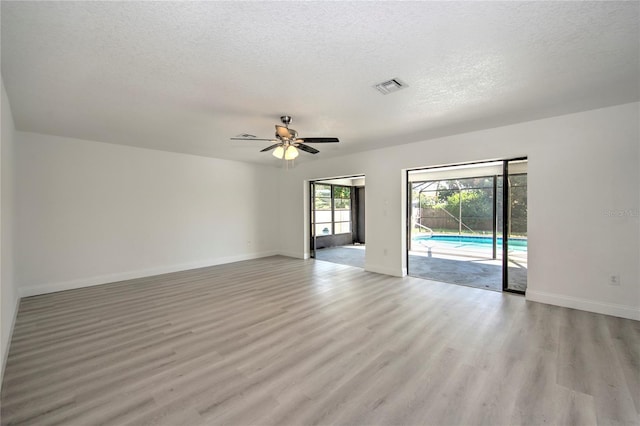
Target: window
331	209
322	210
342	209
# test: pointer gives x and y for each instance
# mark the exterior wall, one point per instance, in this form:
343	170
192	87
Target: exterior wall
334	240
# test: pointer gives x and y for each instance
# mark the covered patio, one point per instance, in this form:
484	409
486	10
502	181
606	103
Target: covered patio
471	271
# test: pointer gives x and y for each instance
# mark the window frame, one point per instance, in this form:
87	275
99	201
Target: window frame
332	209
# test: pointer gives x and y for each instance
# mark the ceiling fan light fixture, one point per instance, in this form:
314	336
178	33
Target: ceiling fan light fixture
291	153
278	152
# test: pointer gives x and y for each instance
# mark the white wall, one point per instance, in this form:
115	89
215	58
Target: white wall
8	287
583	199
90	213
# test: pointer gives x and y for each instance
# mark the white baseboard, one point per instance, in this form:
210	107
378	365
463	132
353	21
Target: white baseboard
295	255
6	352
385	271
34	290
622	311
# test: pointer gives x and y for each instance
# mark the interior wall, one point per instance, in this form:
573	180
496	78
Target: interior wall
8	288
583	198
90	213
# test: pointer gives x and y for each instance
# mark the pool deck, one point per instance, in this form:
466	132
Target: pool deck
454	266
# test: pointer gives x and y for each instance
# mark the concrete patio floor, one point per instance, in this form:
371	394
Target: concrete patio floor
469	271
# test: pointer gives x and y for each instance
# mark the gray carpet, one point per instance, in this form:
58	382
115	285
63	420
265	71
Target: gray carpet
472	272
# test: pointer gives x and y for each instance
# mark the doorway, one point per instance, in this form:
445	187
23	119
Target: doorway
338	220
457	219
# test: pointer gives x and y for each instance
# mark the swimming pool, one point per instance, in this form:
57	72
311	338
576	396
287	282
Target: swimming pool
470	241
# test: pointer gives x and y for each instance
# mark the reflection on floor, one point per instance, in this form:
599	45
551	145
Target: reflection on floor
469	271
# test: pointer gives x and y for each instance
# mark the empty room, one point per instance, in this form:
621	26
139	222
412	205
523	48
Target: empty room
174	177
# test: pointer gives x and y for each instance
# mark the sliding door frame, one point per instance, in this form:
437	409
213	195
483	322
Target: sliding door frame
312	220
505	213
505	228
506	225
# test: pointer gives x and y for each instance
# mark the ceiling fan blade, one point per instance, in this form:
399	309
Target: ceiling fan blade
283	132
306	148
269	148
319	140
252	139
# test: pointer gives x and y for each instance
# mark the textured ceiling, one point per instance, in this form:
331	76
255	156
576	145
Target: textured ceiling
186	77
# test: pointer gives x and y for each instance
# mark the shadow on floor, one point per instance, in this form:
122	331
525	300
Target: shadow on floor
479	273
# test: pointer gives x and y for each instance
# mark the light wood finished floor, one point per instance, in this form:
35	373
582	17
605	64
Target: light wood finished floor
281	341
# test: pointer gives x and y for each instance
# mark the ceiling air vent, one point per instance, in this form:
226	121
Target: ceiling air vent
390	86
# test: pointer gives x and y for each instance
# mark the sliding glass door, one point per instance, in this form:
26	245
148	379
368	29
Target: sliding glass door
467	224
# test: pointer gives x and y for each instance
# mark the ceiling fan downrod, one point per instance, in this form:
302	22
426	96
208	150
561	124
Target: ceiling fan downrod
286	120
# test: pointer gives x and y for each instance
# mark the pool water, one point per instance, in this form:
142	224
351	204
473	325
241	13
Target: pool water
471	241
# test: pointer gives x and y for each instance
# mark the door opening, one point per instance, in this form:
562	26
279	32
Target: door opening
337	215
458	217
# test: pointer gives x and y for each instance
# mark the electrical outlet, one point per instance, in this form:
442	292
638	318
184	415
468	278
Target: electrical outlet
614	279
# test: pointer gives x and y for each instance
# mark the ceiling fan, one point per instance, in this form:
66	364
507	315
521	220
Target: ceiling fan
287	141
